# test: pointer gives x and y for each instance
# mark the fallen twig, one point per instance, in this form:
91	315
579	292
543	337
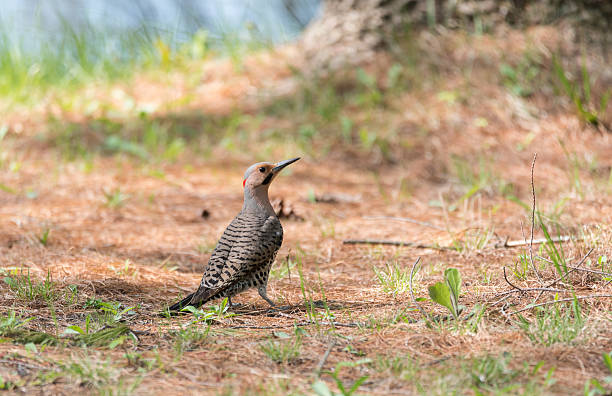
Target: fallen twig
405	219
580	268
303	323
507	244
591	271
561	300
532	289
393	243
414	300
324	358
577	267
510	283
519	242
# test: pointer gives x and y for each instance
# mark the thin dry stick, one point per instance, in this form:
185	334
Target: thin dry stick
532	289
304	323
414	301
563	238
393	243
572	270
406	219
533	208
591	271
560	278
562	300
324	358
510	283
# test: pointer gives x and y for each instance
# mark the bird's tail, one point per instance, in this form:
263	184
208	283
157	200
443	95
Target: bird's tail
181	304
201	296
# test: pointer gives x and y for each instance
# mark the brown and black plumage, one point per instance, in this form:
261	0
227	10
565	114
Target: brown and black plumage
246	250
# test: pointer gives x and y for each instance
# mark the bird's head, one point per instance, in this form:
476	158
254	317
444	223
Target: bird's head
260	175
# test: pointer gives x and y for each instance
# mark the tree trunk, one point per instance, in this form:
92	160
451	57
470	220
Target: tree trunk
349	32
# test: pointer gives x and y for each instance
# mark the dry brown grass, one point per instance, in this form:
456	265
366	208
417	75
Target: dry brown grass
151	249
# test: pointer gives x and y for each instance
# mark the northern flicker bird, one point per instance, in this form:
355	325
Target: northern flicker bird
244	254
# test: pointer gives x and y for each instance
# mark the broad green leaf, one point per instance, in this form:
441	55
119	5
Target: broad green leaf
321	388
116	342
190	308
74	330
453	281
441	294
347	363
281	334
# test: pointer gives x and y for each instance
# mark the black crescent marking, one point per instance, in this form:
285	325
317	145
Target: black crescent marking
268	179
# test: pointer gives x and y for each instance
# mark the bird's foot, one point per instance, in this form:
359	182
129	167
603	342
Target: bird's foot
263	294
232	305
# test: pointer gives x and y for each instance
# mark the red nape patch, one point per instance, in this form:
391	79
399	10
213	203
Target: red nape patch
243	182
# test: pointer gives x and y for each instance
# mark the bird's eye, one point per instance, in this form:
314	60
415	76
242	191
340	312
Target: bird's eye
262	169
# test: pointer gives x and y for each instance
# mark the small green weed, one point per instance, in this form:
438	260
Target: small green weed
12	326
447	293
321	388
555	254
44	237
214	312
521	267
115	198
586	106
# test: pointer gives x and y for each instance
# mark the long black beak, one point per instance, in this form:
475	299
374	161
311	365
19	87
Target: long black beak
280	165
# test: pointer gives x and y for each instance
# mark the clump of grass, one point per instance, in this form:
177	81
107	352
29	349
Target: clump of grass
282	269
24	288
285	350
491	372
190	338
474	239
521	78
108	337
393	278
402	367
587	107
494	374
44	237
93	374
559	323
102	328
115	198
12	326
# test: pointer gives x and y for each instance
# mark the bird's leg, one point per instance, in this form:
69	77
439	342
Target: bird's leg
231	305
264	295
